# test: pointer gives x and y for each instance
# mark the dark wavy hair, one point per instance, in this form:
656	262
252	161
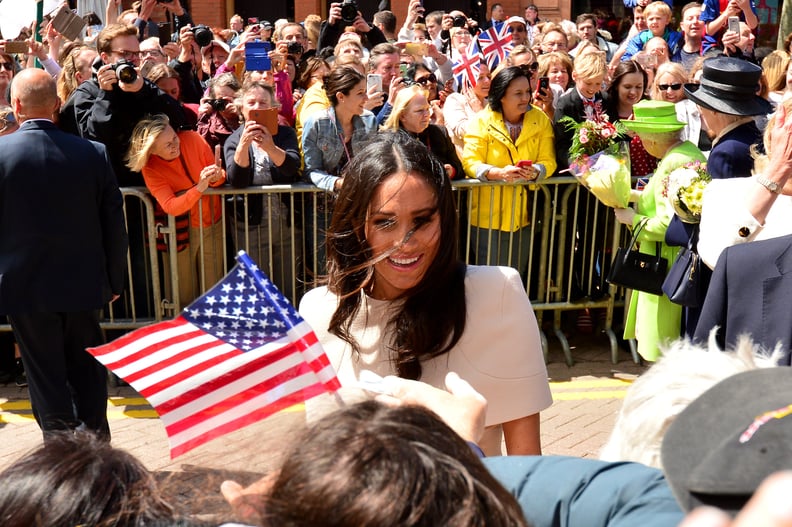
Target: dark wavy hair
74	478
342	79
370	464
432	317
500	83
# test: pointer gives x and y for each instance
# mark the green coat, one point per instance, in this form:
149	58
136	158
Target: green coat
653	319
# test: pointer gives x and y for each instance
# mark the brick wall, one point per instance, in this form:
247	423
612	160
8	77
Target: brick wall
209	12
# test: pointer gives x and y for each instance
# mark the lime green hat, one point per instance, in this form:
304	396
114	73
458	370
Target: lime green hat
653	116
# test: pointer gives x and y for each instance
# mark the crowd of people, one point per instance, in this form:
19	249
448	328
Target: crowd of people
379	119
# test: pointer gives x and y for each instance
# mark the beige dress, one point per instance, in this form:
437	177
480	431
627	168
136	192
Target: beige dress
499	353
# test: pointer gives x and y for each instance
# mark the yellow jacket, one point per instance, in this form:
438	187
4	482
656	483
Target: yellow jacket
487	145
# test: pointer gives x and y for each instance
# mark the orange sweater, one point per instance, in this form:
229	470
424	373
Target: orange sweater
165	178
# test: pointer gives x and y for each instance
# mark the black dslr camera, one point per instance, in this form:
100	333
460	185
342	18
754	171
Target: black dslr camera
203	35
125	70
349	11
459	21
294	48
218	105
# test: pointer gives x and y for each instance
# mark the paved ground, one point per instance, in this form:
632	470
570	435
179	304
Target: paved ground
587	397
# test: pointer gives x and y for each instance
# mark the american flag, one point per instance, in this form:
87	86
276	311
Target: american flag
495	44
236	355
466	69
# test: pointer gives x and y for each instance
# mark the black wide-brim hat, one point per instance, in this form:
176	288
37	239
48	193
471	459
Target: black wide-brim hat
728	440
729	86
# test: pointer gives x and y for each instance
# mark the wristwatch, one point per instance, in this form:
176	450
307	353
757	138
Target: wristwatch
772	186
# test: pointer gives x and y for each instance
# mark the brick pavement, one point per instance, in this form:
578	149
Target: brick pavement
587	397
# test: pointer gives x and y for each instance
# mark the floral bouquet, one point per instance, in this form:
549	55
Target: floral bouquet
685	190
599	160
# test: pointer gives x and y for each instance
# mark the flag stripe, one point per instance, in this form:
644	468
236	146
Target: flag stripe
264	390
178	449
256	367
142	338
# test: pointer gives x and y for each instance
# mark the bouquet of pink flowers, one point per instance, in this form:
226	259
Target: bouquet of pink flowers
685	190
599	159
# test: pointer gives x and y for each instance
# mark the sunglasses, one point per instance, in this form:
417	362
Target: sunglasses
6	66
675	87
529	69
429	79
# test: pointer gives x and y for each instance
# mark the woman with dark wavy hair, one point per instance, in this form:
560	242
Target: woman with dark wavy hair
398	301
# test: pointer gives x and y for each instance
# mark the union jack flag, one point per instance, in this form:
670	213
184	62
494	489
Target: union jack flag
495	44
467	67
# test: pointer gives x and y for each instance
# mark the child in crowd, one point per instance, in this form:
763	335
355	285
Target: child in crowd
588	72
658	17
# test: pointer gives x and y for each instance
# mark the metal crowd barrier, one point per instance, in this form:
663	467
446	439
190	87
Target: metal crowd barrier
564	256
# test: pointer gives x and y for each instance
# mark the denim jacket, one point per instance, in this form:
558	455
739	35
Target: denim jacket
323	146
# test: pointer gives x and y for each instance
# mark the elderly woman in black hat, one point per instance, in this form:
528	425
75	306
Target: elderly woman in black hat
653	319
752	208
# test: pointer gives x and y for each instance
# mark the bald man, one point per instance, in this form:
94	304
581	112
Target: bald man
62	254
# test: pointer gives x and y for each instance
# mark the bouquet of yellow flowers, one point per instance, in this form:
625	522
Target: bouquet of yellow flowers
685	190
598	158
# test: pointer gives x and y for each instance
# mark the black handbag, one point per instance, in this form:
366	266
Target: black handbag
636	270
683	285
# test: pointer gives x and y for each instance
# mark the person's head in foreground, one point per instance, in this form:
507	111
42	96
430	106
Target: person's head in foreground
393	236
728	440
371	464
76	479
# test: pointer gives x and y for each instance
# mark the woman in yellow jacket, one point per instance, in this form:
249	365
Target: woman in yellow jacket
510	140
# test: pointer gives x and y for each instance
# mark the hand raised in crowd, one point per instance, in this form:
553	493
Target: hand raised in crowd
360	24
781	146
186	39
174	6
730	40
209	176
375	98
334	15
447	22
147	8
448	89
396	85
473	101
171	49
414	10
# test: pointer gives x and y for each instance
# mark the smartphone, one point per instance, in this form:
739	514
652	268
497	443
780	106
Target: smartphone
525	163
544	85
164	32
403	69
68	24
734	24
374	80
416	48
257	56
16	46
267	118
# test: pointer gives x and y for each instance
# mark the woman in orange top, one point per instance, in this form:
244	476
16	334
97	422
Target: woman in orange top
177	169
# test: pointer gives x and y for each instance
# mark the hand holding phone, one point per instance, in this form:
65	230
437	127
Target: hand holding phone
525	163
734	24
374	80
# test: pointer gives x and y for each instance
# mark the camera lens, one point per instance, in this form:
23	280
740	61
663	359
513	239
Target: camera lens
459	21
349	11
126	73
294	48
218	105
203	35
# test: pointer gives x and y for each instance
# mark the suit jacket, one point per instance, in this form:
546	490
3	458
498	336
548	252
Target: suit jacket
62	237
731	155
749	293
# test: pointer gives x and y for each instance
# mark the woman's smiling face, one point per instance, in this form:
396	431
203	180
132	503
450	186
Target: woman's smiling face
403	231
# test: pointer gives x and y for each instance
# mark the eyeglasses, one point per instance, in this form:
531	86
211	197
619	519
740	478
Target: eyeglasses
675	87
429	79
8	66
127	54
529	69
152	52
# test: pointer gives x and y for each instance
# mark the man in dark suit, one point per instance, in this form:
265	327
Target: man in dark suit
749	293
62	254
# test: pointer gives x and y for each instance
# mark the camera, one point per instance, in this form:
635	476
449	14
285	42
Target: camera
460	21
125	71
349	11
294	48
203	35
218	105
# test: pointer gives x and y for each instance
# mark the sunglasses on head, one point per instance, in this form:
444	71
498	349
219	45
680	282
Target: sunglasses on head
675	87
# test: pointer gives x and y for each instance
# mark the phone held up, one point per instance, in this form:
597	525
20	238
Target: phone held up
734	24
257	56
544	86
374	80
267	118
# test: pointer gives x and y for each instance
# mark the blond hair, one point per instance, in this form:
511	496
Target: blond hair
590	66
403	99
675	70
142	141
659	8
774	69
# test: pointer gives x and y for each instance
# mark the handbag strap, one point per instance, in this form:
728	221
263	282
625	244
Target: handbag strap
637	231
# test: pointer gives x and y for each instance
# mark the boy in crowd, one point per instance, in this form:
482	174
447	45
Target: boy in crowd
658	17
588	73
